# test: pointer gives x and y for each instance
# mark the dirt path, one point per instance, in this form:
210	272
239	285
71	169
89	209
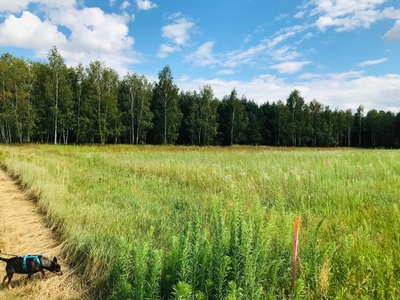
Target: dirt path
22	231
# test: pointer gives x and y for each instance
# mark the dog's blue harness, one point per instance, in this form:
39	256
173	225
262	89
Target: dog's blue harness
36	257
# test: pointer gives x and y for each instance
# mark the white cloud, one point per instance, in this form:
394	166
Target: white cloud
346	15
333	76
280	17
57	3
299	15
342	24
275	41
112	2
184	77
239	57
393	34
225	72
145	4
203	55
29	31
117	61
305	37
94	30
93	34
347	91
174	16
13	5
285	53
258	55
178	32
247	39
371	62
308	35
165	49
343	91
290	67
124	5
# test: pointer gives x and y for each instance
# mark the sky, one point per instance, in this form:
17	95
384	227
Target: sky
343	53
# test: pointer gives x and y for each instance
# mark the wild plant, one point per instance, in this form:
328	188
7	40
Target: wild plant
154	277
220	259
121	273
182	291
141	263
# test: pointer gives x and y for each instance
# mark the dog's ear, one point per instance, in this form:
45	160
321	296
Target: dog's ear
55	259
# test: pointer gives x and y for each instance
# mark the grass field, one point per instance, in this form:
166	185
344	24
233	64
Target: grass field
168	222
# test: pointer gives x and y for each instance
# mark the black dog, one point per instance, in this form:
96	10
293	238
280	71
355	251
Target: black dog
29	264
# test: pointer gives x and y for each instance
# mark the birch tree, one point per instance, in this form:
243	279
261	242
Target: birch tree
58	88
167	115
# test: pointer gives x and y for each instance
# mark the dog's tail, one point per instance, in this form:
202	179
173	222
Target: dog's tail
5	259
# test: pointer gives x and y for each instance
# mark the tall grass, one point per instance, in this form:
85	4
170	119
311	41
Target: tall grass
217	223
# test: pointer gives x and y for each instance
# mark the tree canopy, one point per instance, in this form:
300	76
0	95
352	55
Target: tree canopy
48	102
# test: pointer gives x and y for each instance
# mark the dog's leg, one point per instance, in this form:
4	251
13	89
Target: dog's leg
5	277
28	279
43	274
9	281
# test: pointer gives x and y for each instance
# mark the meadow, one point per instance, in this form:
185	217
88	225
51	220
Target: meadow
165	222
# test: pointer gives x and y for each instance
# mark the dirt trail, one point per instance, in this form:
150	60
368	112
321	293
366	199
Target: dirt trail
22	231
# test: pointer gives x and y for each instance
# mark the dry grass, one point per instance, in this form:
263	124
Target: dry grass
22	231
324	278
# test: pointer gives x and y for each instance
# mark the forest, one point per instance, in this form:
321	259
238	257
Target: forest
49	102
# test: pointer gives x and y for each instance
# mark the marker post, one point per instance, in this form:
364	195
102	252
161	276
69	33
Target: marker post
294	259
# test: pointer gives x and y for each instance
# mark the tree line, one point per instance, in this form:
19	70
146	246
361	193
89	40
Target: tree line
48	102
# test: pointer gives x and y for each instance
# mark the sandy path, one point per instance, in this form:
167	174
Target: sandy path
22	231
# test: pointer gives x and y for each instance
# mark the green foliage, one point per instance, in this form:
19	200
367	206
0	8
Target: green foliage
121	274
167	115
234	119
47	102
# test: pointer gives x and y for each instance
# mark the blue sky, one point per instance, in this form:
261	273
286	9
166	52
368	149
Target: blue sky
343	53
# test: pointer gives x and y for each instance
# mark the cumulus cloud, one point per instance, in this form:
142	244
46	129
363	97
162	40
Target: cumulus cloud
94	30
290	67
124	5
29	31
92	33
371	62
341	90
116	61
203	55
347	15
13	5
145	4
394	33
178	32
165	49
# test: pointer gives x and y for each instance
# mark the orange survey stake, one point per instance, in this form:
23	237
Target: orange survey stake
296	242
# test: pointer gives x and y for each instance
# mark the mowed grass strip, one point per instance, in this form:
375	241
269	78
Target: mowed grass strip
96	198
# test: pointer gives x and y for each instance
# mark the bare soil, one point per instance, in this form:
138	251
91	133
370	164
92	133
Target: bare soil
22	232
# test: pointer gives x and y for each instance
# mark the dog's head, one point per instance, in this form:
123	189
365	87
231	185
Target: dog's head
51	265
